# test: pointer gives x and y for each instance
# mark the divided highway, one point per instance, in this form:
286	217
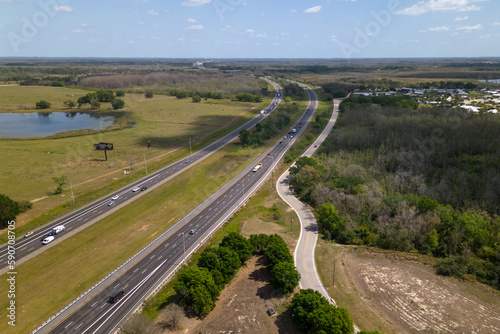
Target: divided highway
27	247
153	266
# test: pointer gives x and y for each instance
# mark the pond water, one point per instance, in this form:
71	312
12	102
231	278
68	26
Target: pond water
40	124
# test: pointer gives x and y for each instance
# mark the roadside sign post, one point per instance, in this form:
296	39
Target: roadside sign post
104	147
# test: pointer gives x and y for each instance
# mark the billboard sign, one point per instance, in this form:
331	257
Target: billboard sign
103	147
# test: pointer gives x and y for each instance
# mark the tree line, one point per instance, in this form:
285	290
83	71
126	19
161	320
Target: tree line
426	180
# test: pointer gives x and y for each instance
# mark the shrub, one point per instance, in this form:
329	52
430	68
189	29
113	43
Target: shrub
43	105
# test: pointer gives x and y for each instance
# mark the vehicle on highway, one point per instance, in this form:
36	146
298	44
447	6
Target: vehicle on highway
285	137
115	296
136	189
47	240
111	203
46	236
256	168
193	231
28	234
115	197
144	188
58	229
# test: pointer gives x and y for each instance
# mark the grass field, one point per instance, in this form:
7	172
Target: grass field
28	167
41	291
46	283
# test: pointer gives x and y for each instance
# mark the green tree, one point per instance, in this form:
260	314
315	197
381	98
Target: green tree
120	93
330	319
185	285
94	103
277	252
222	259
60	181
43	105
431	242
201	300
118	104
148	95
105	95
196	98
303	304
259	242
181	95
9	209
330	220
70	104
285	277
239	244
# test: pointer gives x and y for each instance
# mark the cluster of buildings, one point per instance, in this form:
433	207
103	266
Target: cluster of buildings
485	100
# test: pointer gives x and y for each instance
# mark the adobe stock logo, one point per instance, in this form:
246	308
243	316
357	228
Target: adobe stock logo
371	29
31	26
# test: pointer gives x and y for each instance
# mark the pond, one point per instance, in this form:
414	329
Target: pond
44	124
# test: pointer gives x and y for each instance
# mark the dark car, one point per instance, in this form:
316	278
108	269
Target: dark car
193	231
115	296
144	188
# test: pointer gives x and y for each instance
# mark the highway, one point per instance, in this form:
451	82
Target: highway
153	266
26	248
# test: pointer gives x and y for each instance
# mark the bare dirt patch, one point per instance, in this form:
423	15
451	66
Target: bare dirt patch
410	295
243	306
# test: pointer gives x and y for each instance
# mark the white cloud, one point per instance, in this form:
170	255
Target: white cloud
181	39
293	11
470	28
314	9
458	18
440	6
195	27
85	25
334	38
77	31
152	12
66	9
496	24
191	20
285	34
226	28
436	29
250	31
195	3
262	35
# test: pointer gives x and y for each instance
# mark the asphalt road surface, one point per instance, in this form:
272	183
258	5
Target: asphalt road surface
148	270
28	247
304	252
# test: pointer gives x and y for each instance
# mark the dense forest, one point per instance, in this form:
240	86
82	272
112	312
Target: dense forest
426	180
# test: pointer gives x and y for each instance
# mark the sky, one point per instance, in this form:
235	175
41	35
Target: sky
250	29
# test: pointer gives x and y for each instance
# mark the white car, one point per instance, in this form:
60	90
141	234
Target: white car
115	197
47	240
28	234
111	203
136	189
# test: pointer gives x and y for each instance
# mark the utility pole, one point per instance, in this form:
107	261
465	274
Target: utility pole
333	273
72	195
291	221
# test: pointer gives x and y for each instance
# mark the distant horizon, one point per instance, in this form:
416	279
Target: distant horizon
241	29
